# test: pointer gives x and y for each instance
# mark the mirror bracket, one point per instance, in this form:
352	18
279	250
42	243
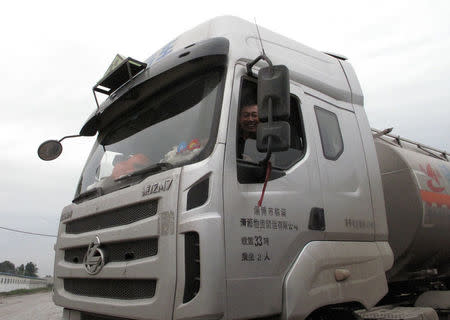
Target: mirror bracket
252	63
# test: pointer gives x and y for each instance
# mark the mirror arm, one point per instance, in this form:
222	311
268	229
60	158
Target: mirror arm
252	63
67	137
264	161
269	138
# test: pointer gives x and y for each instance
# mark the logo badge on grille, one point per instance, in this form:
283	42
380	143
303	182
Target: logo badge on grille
94	259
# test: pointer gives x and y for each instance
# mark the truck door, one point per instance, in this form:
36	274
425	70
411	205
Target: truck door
262	242
343	172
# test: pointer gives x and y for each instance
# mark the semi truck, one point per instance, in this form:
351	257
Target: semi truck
310	214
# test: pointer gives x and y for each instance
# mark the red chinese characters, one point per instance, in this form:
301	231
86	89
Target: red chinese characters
434	182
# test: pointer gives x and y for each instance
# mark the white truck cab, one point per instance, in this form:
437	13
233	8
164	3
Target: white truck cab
166	224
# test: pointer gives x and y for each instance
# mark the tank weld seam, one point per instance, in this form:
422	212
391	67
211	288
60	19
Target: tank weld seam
395	171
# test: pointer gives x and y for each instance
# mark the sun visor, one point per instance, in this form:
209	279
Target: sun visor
177	65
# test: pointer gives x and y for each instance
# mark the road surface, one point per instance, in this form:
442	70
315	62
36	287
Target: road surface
38	306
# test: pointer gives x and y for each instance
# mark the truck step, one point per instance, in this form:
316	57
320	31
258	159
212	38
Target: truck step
403	313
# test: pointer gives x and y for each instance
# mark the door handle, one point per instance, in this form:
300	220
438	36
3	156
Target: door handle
317	219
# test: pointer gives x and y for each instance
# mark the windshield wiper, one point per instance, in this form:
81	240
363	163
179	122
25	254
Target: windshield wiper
90	194
156	167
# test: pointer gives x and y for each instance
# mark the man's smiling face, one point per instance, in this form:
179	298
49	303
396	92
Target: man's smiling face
248	118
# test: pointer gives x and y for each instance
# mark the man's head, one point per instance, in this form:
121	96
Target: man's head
248	119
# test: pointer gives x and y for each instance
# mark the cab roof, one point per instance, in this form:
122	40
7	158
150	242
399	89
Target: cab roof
239	40
327	73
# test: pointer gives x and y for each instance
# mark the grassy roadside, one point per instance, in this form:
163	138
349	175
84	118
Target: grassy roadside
24	291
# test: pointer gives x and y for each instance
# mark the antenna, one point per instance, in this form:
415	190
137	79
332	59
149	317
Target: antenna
259	37
261	57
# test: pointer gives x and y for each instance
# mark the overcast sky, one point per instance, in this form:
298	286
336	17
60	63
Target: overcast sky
52	53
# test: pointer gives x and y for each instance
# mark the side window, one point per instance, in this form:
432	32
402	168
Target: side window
247	124
330	133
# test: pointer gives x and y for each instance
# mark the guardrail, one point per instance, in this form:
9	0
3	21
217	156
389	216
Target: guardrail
10	282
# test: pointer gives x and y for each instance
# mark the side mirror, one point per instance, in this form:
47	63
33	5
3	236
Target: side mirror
280	133
273	134
50	150
273	87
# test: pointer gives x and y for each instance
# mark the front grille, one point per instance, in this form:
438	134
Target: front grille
119	251
111	288
113	218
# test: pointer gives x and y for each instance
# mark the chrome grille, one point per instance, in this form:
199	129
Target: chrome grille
111	288
113	218
118	251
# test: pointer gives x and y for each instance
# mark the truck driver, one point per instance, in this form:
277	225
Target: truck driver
248	120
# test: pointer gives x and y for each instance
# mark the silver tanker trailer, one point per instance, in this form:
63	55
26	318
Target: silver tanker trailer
416	186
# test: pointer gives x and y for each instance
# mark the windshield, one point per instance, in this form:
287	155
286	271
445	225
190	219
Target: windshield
173	128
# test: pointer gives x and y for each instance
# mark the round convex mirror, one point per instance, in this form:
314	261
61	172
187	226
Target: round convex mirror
50	150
